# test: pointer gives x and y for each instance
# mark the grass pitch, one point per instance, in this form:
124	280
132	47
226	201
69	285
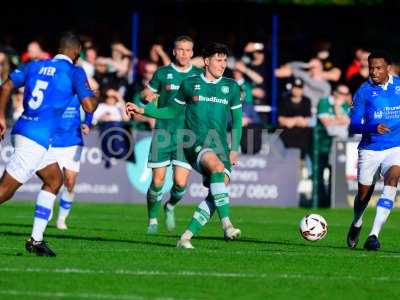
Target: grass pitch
107	255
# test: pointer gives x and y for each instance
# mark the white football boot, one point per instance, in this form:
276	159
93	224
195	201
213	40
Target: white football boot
231	233
184	244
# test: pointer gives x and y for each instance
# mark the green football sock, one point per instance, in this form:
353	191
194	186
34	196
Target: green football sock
154	197
201	215
220	194
177	194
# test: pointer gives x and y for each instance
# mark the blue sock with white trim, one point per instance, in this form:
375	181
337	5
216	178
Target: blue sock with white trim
65	204
383	208
43	211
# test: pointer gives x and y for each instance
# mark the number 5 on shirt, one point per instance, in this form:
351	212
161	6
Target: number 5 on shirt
37	94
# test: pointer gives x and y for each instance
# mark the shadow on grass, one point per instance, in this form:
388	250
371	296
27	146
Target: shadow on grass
210	238
281	243
92	239
53	226
16	225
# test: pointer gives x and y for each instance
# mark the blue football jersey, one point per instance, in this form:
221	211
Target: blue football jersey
68	132
377	104
50	86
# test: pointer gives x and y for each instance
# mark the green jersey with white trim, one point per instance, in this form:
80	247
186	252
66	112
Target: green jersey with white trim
166	82
208	105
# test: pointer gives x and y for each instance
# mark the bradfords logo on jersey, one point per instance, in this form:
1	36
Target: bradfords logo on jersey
210	99
378	114
197	87
170	76
172	87
225	89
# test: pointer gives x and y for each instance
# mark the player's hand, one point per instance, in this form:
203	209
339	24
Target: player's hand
150	97
3	127
132	109
249	47
158	49
129	110
85	129
233	157
382	129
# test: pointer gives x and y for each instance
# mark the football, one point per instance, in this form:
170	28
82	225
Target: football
313	227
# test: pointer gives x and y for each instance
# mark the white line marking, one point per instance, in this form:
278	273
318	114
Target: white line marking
199	274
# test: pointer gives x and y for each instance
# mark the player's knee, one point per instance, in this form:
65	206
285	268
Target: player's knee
218	167
69	184
392	176
180	183
158	181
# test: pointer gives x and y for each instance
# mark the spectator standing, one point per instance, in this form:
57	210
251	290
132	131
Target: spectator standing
34	51
251	122
253	66
333	121
311	73
355	65
143	122
294	118
356	80
330	71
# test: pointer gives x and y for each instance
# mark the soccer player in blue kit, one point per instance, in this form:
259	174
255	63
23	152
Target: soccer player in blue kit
376	115
50	85
67	148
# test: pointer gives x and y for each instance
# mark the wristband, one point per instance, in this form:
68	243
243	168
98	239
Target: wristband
89	119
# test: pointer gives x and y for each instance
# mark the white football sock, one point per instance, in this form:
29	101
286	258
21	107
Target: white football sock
43	211
383	208
65	204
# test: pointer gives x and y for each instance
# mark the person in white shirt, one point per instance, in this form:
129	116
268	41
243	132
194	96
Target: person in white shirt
112	109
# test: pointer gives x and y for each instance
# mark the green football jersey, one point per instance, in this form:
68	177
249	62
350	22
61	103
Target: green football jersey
166	82
208	105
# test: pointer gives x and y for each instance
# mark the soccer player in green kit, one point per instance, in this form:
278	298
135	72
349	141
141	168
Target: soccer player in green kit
163	86
207	100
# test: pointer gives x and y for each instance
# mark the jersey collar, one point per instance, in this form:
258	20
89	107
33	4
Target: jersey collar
64	57
208	81
384	86
181	71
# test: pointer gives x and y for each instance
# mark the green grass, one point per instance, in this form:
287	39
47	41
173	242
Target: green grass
107	255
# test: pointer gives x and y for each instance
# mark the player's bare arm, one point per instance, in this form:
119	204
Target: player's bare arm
89	104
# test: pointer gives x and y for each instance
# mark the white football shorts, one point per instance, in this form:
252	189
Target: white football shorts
373	163
28	157
68	157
